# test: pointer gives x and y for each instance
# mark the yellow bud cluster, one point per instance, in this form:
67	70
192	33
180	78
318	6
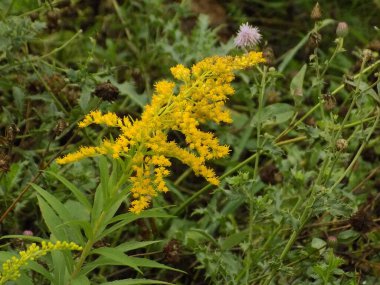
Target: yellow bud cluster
200	97
11	267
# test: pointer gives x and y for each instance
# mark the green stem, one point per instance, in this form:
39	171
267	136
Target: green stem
87	248
356	157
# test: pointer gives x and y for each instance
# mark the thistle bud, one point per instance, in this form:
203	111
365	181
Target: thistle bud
341	144
332	241
106	91
367	54
4	162
342	29
316	13
28	233
269	56
329	101
314	40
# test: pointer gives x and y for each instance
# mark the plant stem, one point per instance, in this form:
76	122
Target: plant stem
356	157
87	248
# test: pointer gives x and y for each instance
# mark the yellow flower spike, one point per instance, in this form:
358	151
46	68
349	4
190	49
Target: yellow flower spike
198	98
11	267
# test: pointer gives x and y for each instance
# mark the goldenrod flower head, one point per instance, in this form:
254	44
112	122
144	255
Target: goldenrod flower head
11	267
200	97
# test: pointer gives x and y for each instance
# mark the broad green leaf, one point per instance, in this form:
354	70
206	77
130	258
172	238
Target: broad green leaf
317	243
130	90
76	207
274	114
76	192
296	85
135	282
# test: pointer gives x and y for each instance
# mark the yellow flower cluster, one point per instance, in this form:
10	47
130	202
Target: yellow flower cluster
200	97
11	267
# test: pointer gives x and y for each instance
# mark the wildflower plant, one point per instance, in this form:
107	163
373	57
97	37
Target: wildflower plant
141	158
144	143
285	158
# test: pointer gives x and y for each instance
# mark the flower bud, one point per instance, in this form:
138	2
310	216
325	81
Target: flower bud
367	54
342	29
314	40
316	13
329	102
27	233
269	56
341	144
332	241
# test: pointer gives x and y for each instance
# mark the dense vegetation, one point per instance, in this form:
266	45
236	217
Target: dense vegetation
295	201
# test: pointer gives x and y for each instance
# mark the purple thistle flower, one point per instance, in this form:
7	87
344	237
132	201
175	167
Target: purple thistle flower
247	36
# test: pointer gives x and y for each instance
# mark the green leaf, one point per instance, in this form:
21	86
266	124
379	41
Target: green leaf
31	238
135	262
33	265
19	97
104	176
59	269
233	240
144	262
123	219
62	212
117	256
130	90
51	219
81	280
296	85
76	192
135	282
274	114
132	245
